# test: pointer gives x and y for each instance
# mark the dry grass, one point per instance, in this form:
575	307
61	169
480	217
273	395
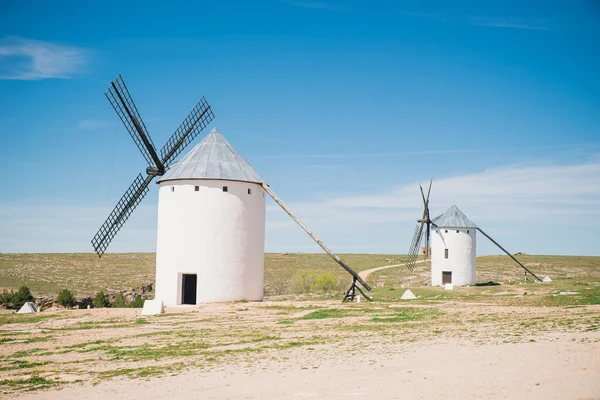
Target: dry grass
57	348
85	273
94	345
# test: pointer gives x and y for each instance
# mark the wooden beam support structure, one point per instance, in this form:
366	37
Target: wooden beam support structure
315	238
510	255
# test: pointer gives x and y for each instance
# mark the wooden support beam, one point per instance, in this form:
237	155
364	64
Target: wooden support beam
510	255
314	237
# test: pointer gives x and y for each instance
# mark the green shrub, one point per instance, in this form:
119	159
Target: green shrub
137	302
303	281
100	300
66	298
326	283
120	301
22	296
6	298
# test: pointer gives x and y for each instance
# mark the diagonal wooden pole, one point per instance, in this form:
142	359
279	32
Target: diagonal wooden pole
314	237
510	255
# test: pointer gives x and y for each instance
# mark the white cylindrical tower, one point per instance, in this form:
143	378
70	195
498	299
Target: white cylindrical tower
211	227
453	249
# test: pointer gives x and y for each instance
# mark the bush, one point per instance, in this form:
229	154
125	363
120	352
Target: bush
66	298
303	281
16	299
100	300
120	301
326	283
22	296
138	302
6	298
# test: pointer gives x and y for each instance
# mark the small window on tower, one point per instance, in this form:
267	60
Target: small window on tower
249	191
224	188
445	253
197	188
457	231
172	188
467	231
446	231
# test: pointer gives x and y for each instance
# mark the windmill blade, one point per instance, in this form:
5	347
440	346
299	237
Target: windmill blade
132	197
428	192
121	100
413	251
510	255
427	221
192	125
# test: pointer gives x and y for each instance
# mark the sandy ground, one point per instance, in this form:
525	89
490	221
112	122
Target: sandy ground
561	369
456	351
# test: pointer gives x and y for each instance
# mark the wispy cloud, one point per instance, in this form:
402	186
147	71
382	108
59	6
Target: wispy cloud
588	146
25	59
87	124
434	17
512	201
541	209
315	4
514	23
266	139
370	155
492	22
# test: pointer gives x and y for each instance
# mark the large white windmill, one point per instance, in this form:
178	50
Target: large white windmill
211	213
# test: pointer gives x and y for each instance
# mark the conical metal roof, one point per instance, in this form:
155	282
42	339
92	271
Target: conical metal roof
453	218
213	158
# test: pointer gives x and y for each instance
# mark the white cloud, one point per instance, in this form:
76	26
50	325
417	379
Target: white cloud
314	4
86	124
492	22
515	200
25	59
543	209
514	23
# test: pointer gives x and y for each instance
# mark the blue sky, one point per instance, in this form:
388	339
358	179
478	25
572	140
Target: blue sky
342	106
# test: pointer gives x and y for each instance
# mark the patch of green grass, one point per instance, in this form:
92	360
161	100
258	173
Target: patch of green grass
23	353
141	321
324	314
25	318
408	315
18	364
150	351
33	382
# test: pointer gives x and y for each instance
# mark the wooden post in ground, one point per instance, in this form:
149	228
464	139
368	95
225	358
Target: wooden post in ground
314	237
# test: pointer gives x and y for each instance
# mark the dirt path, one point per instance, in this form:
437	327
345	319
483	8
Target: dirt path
365	274
561	369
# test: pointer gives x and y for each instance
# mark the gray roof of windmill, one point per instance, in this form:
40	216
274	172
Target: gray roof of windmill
213	158
453	218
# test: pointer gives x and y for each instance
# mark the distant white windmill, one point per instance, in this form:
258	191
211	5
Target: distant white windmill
453	246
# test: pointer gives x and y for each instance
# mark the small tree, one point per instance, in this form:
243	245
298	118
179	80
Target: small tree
120	301
22	296
66	298
100	300
326	283
6	298
137	302
303	281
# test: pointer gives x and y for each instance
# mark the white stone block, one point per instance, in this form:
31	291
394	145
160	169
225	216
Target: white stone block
153	307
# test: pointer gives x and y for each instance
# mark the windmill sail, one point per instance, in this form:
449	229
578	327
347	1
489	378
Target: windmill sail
121	100
130	200
192	125
413	251
119	97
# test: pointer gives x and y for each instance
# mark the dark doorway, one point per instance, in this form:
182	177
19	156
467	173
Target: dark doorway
188	288
446	277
